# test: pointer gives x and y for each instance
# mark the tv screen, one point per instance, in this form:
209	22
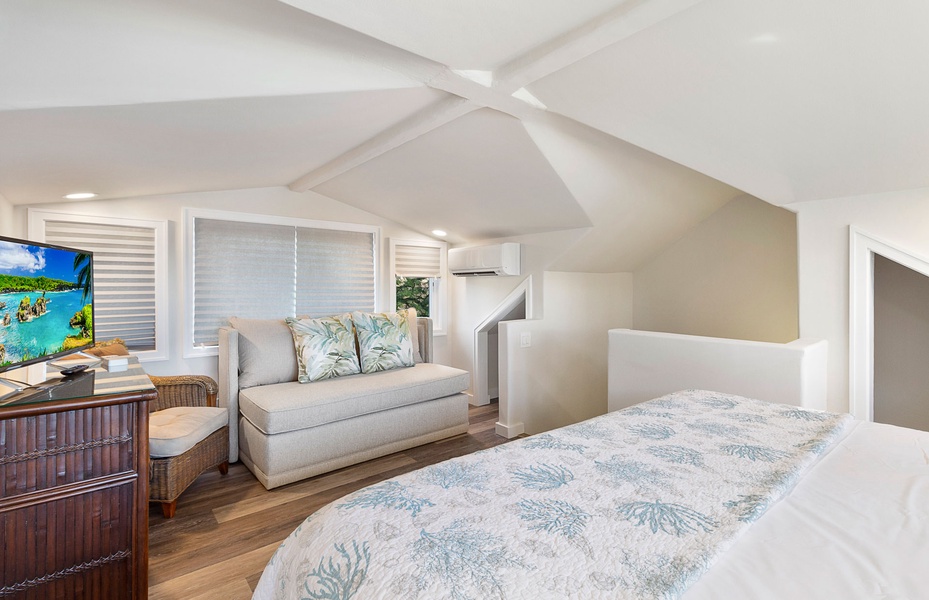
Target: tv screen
46	302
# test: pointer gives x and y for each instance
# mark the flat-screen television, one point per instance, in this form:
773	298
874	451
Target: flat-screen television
46	302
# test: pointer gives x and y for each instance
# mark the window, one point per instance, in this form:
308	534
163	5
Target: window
418	268
130	287
262	267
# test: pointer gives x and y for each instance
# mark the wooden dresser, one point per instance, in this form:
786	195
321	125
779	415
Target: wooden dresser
74	491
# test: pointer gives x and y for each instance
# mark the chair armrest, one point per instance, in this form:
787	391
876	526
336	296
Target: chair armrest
183	390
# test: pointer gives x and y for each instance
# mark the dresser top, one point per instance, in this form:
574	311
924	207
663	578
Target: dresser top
93	382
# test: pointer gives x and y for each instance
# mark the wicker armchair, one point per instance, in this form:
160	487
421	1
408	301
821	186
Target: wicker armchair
171	475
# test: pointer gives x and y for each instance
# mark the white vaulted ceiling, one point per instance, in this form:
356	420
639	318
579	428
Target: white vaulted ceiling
658	111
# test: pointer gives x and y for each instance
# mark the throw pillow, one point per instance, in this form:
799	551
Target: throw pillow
266	352
325	347
384	340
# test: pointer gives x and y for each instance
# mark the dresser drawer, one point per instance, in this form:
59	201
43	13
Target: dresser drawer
77	546
74	498
46	451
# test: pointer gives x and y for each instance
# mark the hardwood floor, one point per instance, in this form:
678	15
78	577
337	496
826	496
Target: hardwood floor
227	528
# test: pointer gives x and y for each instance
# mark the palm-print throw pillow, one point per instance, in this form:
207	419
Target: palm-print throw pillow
325	347
384	340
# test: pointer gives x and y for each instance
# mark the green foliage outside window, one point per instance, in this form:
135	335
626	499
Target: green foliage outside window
413	292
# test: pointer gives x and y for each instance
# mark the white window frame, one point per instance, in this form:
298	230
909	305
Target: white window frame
191	214
37	219
438	302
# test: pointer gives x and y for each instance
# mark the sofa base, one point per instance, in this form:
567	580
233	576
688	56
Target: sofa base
284	458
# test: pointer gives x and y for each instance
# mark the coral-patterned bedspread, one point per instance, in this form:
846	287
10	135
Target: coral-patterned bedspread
633	504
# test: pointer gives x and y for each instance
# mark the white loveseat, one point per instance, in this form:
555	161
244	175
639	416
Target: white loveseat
287	431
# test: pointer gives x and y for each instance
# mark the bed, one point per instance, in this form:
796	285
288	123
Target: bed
695	495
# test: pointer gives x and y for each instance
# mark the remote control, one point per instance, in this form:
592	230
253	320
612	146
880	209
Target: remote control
73	370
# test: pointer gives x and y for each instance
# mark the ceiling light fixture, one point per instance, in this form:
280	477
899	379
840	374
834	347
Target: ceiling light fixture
439	232
80	196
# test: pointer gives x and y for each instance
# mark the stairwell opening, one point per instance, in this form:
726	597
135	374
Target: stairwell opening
486	372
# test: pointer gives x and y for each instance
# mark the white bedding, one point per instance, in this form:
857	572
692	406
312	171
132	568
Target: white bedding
855	527
574	514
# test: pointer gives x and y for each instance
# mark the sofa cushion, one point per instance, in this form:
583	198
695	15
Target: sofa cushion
384	340
174	431
266	351
292	406
325	347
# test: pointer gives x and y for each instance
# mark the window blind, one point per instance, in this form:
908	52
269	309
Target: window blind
417	261
266	271
124	277
240	270
335	271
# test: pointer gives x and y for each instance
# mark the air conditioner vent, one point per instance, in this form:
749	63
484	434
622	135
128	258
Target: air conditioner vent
485	261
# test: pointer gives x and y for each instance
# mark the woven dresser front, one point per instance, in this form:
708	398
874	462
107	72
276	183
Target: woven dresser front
73	498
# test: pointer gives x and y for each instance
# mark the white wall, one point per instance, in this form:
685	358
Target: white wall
647	364
6	217
562	377
899	218
269	201
734	275
474	299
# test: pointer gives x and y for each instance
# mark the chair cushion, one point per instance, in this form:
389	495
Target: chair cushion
292	406
174	431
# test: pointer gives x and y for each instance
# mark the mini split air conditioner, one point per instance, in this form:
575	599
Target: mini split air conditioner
499	259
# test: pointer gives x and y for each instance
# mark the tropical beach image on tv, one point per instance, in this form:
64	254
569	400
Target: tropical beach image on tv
46	302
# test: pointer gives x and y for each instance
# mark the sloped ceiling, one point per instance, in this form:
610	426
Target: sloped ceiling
484	155
643	117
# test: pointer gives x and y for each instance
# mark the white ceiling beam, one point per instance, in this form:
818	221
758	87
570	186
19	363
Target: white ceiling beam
424	121
613	26
468	95
483	96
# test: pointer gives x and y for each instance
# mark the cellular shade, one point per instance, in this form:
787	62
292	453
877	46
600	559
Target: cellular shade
417	261
124	277
267	271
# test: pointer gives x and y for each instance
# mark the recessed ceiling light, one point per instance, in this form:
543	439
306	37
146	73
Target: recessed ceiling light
81	196
439	232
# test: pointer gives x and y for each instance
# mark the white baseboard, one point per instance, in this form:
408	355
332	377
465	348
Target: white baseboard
472	400
509	431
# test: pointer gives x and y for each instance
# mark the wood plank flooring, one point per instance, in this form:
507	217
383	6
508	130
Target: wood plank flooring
227	528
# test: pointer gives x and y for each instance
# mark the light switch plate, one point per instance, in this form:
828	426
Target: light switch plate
525	339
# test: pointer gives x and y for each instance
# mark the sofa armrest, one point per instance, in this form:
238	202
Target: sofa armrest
424	331
228	372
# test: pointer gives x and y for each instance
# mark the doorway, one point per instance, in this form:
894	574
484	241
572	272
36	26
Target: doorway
901	345
870	308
